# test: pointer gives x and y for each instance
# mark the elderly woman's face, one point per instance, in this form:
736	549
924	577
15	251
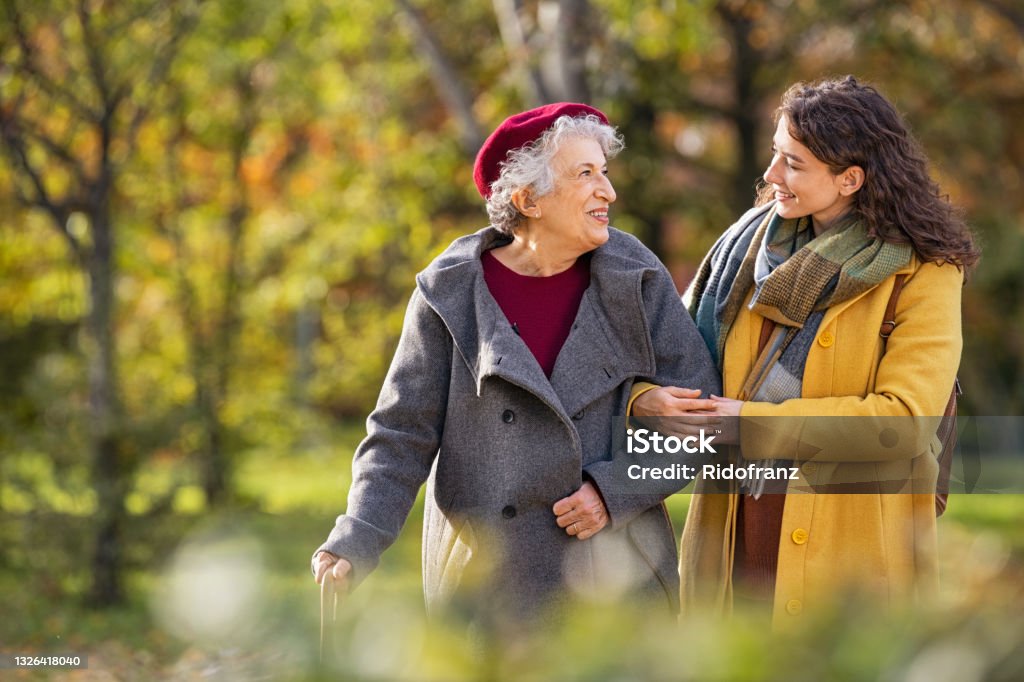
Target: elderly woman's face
576	211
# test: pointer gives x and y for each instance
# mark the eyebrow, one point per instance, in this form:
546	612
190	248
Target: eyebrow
588	164
792	157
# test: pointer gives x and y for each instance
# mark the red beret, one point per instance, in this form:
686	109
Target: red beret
517	131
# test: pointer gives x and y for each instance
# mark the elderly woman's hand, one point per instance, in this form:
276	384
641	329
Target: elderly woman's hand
689	413
671	401
339	568
583	513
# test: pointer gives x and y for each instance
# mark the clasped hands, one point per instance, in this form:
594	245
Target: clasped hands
690	413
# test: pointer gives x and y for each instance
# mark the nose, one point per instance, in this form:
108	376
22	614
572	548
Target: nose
772	174
605	190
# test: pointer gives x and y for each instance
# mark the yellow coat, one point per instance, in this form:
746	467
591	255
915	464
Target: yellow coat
882	543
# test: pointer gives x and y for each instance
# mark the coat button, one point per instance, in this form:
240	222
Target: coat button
799	536
509	512
826	339
794	607
579	415
508	416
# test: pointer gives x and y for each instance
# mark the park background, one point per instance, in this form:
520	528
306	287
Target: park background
211	214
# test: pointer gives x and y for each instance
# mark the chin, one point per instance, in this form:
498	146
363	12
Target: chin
789	212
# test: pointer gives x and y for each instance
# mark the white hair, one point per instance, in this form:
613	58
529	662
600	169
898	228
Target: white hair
529	167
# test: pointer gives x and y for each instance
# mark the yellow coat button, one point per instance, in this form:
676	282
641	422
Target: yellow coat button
799	536
794	607
826	339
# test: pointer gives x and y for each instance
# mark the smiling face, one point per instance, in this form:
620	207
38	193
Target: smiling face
573	217
806	186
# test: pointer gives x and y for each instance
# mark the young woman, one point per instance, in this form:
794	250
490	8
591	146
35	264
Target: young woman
790	301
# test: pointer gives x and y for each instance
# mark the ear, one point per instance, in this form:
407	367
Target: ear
524	202
851	180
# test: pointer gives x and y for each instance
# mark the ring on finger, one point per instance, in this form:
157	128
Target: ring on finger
575	528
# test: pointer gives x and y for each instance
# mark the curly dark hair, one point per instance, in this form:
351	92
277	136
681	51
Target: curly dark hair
845	123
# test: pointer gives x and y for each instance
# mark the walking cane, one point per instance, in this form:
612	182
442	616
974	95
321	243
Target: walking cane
328	612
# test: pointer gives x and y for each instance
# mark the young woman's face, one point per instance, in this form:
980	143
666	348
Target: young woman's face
804	185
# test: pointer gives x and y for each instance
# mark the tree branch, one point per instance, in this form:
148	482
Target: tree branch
57	151
446	80
59	211
93	57
238	214
517	49
27	64
158	71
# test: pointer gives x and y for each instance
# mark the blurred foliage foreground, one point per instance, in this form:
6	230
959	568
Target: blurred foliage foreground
211	214
229	596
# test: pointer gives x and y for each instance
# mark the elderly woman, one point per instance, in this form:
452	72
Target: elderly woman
850	233
520	345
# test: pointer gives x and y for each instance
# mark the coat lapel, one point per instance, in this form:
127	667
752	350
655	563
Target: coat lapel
607	344
595	358
505	355
454	287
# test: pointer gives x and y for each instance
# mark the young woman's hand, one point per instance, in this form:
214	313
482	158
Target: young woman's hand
729	424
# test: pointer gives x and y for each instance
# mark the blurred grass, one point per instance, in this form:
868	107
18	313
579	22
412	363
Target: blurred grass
291	497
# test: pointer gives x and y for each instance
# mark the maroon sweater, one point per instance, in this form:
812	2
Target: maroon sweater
540	309
756	564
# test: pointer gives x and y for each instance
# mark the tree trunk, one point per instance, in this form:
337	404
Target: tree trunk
572	40
746	115
216	468
110	458
217	472
307	327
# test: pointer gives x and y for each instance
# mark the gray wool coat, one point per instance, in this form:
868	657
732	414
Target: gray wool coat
466	407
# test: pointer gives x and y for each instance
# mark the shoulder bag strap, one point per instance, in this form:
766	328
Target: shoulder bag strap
947	426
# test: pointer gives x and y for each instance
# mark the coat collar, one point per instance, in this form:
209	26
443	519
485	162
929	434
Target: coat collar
909	269
607	344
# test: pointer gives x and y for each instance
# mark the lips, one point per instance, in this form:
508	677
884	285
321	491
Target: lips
783	196
600	214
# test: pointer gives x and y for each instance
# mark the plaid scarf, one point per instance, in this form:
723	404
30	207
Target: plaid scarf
796	278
